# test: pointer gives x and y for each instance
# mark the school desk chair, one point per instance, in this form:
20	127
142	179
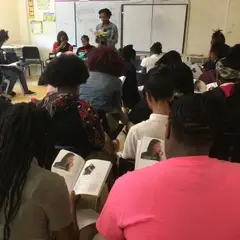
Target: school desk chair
31	56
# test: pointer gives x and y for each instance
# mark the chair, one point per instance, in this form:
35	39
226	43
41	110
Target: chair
31	56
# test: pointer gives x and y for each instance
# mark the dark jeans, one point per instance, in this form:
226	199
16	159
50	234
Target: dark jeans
13	74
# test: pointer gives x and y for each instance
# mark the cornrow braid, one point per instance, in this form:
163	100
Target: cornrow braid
24	135
195	118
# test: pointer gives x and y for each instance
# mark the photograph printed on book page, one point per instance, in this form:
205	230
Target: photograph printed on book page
150	151
68	165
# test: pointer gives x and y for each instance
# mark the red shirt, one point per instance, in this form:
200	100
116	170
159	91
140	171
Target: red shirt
67	48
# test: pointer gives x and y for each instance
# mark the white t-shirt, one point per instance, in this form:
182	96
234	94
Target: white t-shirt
154	127
149	62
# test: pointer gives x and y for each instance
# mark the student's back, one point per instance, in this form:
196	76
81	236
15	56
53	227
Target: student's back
44	200
34	202
159	92
188	196
226	146
183	198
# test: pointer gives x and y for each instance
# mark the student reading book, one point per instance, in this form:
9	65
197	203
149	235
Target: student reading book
85	178
149	151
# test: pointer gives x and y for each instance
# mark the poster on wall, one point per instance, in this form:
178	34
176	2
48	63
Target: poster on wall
36	27
48	17
31	9
43	4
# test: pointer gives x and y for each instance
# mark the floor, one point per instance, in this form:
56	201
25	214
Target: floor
32	82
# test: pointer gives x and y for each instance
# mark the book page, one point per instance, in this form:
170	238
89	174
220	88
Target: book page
86	217
92	177
68	165
149	152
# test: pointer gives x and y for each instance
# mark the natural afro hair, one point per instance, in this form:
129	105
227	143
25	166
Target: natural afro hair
66	71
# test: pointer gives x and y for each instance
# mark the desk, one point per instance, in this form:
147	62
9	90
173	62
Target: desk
140	54
194	58
17	48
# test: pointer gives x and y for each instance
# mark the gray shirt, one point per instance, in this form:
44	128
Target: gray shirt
111	33
44	207
102	91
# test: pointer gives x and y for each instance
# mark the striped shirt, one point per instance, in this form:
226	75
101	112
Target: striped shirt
111	33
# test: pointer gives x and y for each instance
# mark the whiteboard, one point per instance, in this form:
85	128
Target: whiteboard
87	18
163	23
136	29
168	26
65	20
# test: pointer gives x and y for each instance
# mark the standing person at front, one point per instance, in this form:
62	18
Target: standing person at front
106	32
34	202
189	196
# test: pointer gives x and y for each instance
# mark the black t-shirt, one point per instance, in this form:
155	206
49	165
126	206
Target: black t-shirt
85	49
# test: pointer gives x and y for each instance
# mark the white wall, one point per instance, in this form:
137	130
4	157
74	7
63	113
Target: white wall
203	18
9	19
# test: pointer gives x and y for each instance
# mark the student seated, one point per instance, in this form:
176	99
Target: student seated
226	146
228	73
12	73
130	94
83	51
159	94
62	44
76	124
171	58
103	89
184	197
35	203
217	51
183	84
155	55
217	38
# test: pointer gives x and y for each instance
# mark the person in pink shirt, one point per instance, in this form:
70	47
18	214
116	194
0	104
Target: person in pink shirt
187	197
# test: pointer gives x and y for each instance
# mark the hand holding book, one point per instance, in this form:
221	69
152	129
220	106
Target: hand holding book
85	178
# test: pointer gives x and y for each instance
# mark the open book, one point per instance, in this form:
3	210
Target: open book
196	70
85	178
149	151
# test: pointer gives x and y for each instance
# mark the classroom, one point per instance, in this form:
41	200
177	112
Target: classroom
119	119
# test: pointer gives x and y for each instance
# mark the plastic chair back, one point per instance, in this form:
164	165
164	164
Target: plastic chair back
31	53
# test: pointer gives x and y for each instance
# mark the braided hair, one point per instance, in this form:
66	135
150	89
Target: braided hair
194	119
25	135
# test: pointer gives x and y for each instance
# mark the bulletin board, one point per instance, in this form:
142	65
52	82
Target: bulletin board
42	24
